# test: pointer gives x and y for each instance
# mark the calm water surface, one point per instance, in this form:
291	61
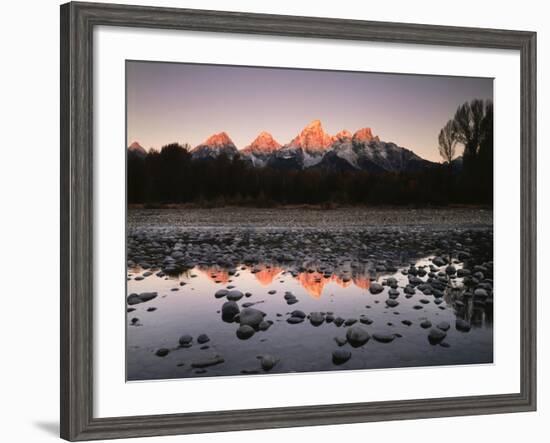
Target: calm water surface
186	304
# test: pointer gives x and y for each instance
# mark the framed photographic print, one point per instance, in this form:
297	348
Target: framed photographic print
273	221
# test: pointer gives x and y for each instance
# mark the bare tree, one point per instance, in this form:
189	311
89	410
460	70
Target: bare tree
448	138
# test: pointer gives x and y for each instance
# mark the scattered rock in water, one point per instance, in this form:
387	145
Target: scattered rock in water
357	336
229	310
393	293
268	361
376	288
340	356
391	303
298	313
234	295
151	309
264	325
340	341
294	320
185	340
134	320
417	307
204	363
245	332
383	338
134	299
162	352
203	338
130	310
339	321
251	317
444	326
273	291
350	321
426	324
220	293
316	318
424	301
406	322
462	325
436	336
365	320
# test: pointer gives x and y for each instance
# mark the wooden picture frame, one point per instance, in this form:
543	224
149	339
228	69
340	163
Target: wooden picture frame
77	23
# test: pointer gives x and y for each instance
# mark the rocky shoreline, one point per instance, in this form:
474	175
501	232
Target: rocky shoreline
409	273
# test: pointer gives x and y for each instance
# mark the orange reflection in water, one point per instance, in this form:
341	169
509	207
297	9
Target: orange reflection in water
267	275
312	282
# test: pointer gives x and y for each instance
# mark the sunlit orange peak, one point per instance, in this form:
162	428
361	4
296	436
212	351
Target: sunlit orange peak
264	142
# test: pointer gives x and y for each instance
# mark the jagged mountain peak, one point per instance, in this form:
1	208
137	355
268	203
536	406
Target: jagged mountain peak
364	135
263	143
343	135
218	140
312	138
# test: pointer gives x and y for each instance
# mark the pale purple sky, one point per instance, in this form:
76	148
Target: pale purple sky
186	103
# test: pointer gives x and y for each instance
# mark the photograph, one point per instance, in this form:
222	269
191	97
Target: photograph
286	220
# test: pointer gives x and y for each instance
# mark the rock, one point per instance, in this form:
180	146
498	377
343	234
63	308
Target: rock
134	320
340	356
357	336
220	293
234	295
444	326
439	261
203	338
406	322
185	340
229	310
350	321
393	293
426	324
462	325
481	293
216	360
417	307
316	318
376	288
245	332
251	317
365	320
424	301
436	336
162	352
294	320
339	321
298	313
151	309
383	338
268	361
450	270
134	299
273	291
264	325
340	341
391	303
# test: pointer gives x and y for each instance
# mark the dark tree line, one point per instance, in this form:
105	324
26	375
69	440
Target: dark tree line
170	175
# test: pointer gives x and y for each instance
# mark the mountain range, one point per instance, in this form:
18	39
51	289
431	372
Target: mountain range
313	148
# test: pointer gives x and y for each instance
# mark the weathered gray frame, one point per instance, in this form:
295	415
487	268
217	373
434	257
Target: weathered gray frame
77	24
